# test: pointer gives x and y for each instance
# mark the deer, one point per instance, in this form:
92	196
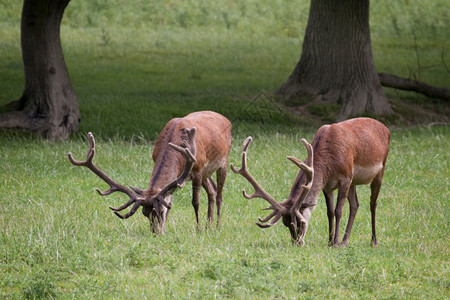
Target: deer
191	148
341	156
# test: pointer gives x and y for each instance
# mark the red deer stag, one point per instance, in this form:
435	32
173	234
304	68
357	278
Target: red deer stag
342	156
189	148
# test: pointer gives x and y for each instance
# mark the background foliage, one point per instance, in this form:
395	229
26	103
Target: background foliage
128	58
135	65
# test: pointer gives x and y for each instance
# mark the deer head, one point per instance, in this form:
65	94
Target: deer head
156	206
290	210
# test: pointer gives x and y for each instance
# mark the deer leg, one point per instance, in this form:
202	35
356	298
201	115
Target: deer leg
210	189
354	204
329	199
375	187
342	195
196	185
221	176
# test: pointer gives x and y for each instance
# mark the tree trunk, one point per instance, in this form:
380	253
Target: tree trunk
336	65
49	104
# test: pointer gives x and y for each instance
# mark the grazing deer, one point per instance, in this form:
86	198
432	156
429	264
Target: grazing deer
342	156
189	148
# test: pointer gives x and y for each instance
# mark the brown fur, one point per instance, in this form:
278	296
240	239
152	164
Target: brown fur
341	156
341	149
213	143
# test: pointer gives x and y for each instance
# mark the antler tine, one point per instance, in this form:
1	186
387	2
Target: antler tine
245	145
185	151
132	211
273	213
188	148
89	155
135	197
278	209
308	169
137	190
274	221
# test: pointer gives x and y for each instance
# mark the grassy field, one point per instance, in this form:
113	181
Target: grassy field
134	67
60	239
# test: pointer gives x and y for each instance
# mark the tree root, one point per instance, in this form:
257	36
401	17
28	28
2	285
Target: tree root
393	81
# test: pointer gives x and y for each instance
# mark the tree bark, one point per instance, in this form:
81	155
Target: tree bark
49	104
336	64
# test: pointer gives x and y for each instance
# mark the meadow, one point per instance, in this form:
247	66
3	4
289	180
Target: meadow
135	66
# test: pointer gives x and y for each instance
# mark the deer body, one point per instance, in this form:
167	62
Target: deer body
341	156
213	143
188	148
347	154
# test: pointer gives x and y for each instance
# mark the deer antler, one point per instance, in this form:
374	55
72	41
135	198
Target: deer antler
309	172
188	150
135	194
278	209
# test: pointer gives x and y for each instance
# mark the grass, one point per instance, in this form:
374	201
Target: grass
60	239
133	70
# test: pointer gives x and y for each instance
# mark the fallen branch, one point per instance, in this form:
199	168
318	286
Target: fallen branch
393	81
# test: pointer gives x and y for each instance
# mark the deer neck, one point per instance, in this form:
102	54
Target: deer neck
313	195
167	168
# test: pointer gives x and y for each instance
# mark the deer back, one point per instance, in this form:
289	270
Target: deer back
356	148
212	140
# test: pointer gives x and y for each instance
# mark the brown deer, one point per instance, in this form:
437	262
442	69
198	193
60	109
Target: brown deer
342	156
189	148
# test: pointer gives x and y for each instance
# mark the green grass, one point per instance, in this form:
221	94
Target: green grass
121	68
60	239
134	67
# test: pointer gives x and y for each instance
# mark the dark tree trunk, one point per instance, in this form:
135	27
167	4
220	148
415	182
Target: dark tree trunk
49	104
336	65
